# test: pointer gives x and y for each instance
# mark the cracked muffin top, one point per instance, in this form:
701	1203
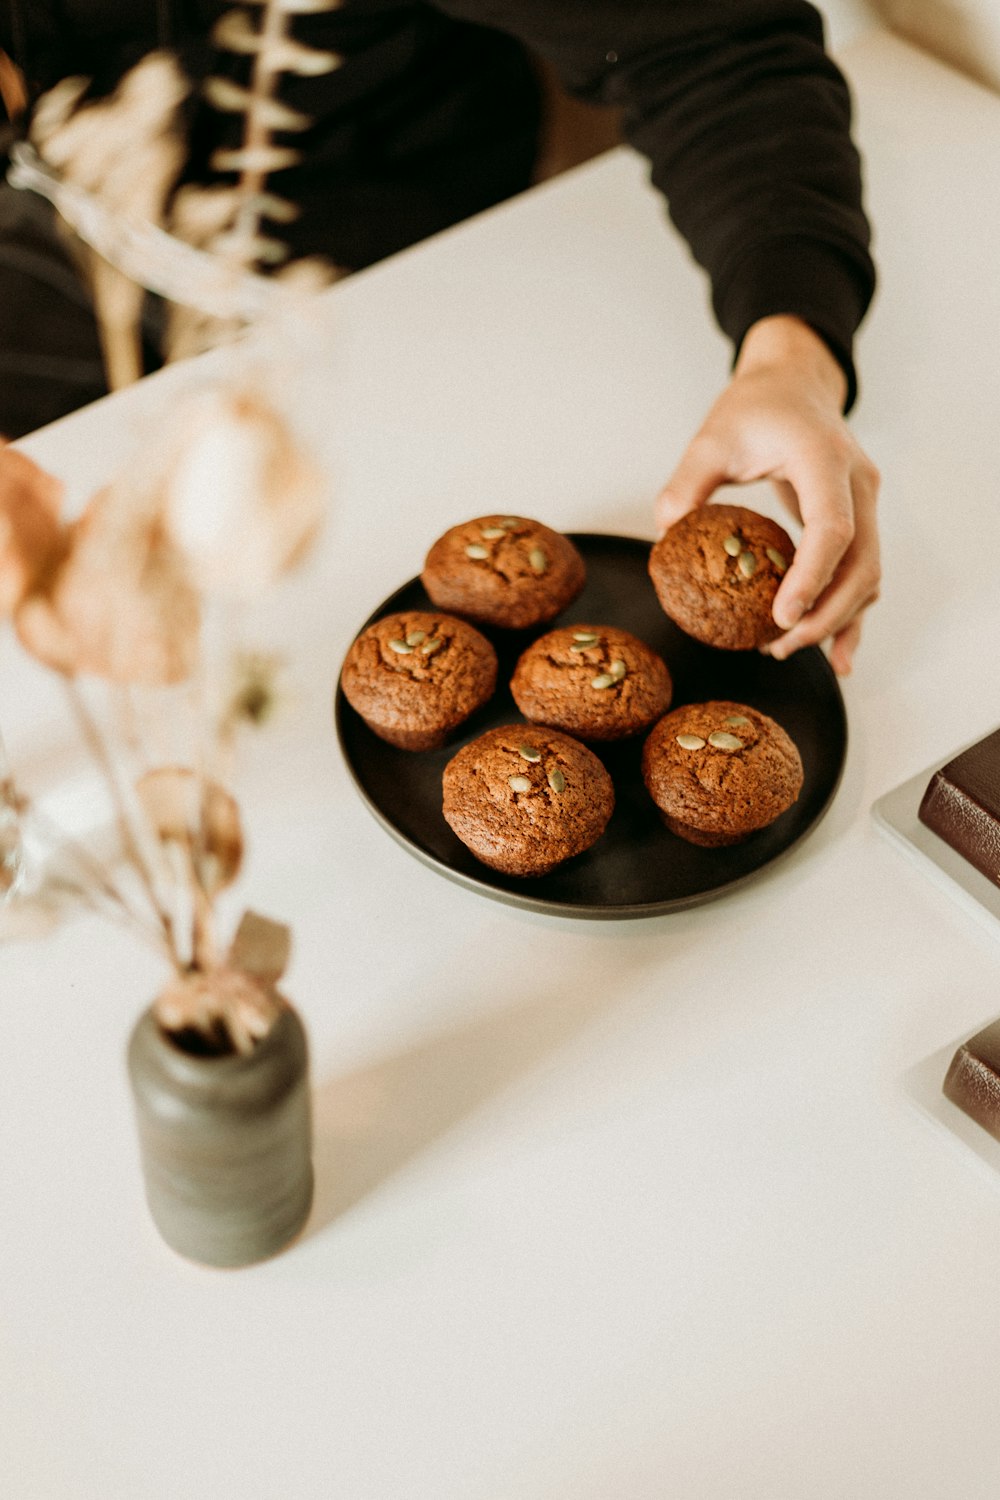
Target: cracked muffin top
524	798
415	676
593	681
716	572
503	570
719	771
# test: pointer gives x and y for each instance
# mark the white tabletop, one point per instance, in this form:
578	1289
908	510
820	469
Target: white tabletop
619	1209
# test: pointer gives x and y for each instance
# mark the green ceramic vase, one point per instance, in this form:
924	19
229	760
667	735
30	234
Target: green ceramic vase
225	1142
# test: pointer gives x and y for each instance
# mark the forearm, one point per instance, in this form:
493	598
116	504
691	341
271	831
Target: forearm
783	342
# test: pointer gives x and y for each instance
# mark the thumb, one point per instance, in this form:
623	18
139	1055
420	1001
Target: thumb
696	477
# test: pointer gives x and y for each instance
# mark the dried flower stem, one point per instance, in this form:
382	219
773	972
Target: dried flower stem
90	867
214	640
204	950
177	882
93	886
93	739
117	306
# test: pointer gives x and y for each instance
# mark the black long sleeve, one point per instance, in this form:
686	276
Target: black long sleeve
746	123
435	115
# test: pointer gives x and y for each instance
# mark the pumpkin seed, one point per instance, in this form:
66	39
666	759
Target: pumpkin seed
490	533
618	670
519	783
690	741
415	637
733	546
538	559
736	720
722	741
557	780
430	647
509	522
477	552
585	637
778	558
529	752
747	564
602	680
401	648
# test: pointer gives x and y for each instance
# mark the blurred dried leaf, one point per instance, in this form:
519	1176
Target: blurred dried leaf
30	532
240	500
263	159
272	114
255	692
234	32
125	147
128	152
261	947
200	817
120	604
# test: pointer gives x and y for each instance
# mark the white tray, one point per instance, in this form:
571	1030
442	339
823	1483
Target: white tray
896	815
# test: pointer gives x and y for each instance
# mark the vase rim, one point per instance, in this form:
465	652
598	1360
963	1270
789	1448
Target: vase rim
208	1068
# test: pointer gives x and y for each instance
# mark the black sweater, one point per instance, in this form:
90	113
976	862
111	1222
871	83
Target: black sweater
435	114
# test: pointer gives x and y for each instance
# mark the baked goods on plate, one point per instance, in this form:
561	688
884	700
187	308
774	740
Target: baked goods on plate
716	572
719	771
505	571
524	798
415	675
597	682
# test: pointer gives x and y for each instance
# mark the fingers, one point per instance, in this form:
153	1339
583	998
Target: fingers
853	587
697	477
777	422
826	536
844	646
826	501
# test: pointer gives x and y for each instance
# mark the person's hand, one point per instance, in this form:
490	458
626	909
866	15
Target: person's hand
780	419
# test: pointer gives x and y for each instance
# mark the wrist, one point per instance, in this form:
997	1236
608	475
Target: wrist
787	344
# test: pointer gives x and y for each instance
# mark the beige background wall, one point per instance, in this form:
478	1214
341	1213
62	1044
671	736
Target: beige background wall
963	32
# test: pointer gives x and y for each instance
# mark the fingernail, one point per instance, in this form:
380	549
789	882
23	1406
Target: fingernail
790	613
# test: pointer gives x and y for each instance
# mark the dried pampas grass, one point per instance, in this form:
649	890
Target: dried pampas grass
128	151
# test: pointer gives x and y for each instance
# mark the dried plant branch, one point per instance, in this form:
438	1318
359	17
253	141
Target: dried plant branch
11	833
229	221
94	741
92	884
127	151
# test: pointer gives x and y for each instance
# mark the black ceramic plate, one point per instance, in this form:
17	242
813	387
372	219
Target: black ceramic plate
637	868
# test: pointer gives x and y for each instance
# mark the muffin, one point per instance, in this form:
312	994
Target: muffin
503	570
594	681
413	677
716	572
719	771
524	798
